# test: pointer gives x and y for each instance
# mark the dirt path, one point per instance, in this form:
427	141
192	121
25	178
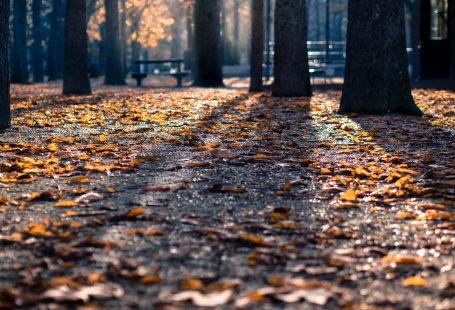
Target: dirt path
178	199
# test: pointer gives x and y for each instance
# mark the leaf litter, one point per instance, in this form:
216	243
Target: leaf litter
178	192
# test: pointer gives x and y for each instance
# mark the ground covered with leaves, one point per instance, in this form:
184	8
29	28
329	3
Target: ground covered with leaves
172	199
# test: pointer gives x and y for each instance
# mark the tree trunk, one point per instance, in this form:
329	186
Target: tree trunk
19	70
257	44
207	43
5	113
189	53
236	21
55	44
452	41
376	77
37	47
123	37
176	46
291	75
113	69
75	80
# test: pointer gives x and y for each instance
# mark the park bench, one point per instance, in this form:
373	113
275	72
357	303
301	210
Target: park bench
174	70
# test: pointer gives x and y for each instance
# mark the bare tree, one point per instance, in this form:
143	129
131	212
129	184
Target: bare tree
76	76
257	44
376	78
5	114
207	29
55	43
291	74
114	74
19	70
37	47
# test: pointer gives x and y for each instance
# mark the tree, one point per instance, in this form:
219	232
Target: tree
37	47
55	43
452	41
5	114
291	74
207	35
257	44
376	77
19	71
114	74
75	76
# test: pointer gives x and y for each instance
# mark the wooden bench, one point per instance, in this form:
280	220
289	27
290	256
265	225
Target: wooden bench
176	64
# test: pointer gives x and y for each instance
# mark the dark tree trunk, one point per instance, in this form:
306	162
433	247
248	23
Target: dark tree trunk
75	79
291	76
5	113
37	47
452	41
237	21
55	44
19	70
207	43
257	44
176	46
376	77
189	53
113	69
123	36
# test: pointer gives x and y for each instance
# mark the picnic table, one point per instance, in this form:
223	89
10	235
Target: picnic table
176	70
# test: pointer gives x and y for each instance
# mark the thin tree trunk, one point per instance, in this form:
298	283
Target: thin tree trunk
19	70
257	44
55	44
5	113
123	37
452	41
207	43
291	74
376	77
76	76
189	53
37	47
114	70
237	21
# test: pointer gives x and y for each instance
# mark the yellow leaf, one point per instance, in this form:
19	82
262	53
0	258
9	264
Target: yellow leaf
402	259
192	284
349	195
325	171
110	189
52	147
150	279
135	212
66	204
414	281
80	179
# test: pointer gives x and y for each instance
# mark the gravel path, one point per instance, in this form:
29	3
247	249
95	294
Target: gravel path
237	201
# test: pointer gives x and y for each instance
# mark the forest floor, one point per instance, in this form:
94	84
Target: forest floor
179	198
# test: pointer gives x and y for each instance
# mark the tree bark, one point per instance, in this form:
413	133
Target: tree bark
76	76
236	21
123	36
114	69
55	44
452	41
257	44
37	47
376	77
5	113
291	74
19	70
207	34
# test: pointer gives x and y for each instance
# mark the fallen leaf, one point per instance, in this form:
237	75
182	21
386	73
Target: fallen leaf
204	300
